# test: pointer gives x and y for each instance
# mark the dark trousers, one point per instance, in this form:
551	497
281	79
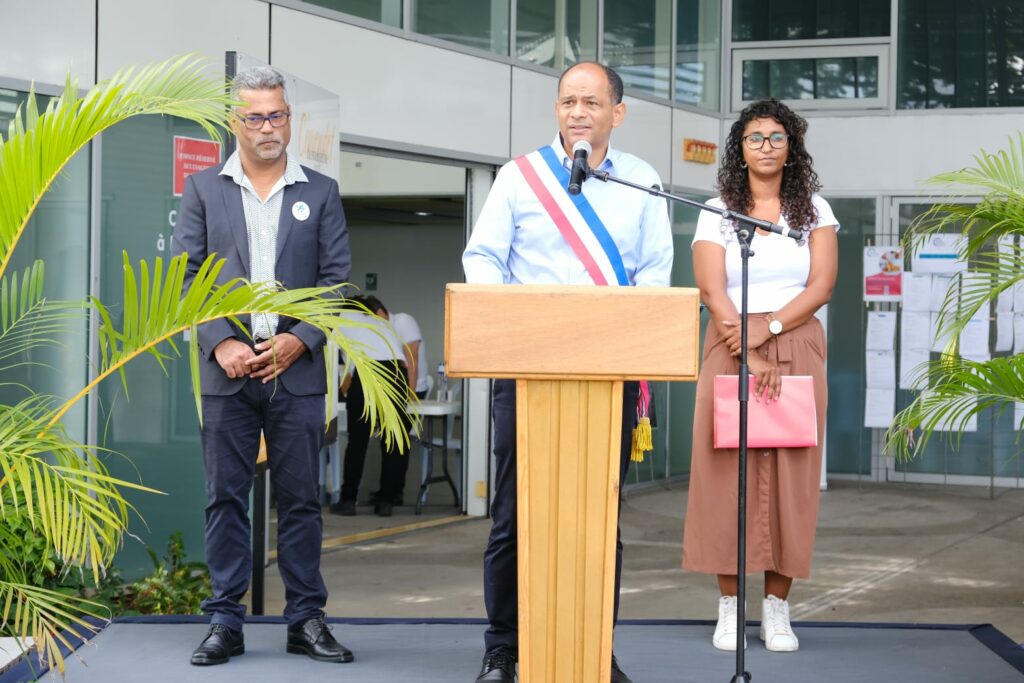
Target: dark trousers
294	430
394	460
501	572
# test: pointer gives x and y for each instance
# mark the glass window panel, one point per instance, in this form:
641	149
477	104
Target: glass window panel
698	52
636	43
543	36
58	233
954	54
847	440
825	78
384	11
808	19
482	24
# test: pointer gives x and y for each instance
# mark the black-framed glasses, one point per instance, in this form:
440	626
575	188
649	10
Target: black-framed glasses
255	121
775	140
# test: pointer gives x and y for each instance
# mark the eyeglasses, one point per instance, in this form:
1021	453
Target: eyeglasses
255	121
775	140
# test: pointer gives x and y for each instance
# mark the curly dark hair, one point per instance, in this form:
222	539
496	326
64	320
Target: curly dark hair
799	181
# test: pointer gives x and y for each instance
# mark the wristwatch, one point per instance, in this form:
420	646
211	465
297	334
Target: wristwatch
774	324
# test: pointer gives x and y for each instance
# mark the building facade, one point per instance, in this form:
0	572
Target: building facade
436	94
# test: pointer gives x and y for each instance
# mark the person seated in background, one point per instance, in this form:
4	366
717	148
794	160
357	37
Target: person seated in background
381	345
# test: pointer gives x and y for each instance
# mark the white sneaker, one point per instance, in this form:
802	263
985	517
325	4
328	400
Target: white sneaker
725	629
776	632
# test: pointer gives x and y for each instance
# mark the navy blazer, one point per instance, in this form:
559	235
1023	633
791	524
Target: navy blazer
310	253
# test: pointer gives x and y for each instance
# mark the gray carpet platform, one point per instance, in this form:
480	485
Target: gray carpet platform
157	651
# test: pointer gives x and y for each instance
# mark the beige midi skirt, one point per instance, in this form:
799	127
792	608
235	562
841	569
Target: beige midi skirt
782	483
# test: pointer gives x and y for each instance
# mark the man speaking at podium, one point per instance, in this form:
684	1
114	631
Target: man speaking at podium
532	231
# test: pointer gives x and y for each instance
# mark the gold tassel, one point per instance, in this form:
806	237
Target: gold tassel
642	440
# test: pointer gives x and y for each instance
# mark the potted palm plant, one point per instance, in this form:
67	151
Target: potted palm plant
958	388
56	486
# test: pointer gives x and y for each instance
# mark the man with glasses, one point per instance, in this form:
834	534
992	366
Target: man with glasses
272	220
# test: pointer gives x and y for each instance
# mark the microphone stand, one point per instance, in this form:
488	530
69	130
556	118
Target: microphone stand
745	227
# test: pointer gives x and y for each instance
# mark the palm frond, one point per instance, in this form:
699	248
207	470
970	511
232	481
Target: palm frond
143	328
38	146
49	617
960	389
65	489
27	319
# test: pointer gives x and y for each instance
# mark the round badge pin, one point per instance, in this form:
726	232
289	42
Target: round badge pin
300	210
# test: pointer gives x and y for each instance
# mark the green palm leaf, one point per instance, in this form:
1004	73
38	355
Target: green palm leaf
144	327
38	145
27	319
960	389
49	617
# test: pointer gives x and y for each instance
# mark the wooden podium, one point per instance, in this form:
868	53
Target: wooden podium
569	348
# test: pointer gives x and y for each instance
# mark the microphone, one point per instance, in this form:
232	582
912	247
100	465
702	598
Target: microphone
580	166
785	231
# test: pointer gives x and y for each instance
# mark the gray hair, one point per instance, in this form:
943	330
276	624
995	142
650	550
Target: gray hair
258	78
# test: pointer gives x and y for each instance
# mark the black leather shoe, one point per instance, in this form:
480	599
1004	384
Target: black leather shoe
383	508
374	496
499	666
618	675
345	508
313	637
219	645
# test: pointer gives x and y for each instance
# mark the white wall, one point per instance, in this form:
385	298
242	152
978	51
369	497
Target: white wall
133	32
892	155
645	132
40	40
413	264
689	174
533	110
397	89
363	175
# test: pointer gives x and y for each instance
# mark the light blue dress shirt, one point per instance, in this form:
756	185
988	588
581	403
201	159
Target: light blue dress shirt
514	240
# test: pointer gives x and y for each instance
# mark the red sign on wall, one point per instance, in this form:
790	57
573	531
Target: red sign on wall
190	156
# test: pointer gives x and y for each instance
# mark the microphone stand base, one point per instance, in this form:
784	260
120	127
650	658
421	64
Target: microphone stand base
738	677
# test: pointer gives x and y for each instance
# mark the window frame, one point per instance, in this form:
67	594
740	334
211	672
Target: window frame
814	49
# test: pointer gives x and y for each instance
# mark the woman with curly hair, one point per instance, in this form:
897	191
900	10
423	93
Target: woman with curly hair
766	173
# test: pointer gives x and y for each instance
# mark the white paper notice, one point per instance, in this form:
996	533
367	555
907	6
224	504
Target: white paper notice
879	407
915	330
940	285
1004	304
938	343
974	338
939	254
1018	332
1004	331
917	291
1018	297
911	361
881	334
881	369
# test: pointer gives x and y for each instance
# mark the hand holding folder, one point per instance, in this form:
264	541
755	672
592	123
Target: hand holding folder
789	422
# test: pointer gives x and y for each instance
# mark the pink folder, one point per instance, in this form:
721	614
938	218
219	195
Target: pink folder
790	422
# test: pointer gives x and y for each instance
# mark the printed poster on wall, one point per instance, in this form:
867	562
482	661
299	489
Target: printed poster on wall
883	273
192	155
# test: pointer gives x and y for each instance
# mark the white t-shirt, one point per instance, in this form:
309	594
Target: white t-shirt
779	267
378	341
408	331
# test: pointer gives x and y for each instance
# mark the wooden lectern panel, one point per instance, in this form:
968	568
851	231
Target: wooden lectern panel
583	332
569	348
568	489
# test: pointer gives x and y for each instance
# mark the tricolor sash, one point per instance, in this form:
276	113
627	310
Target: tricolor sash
574	217
589	239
